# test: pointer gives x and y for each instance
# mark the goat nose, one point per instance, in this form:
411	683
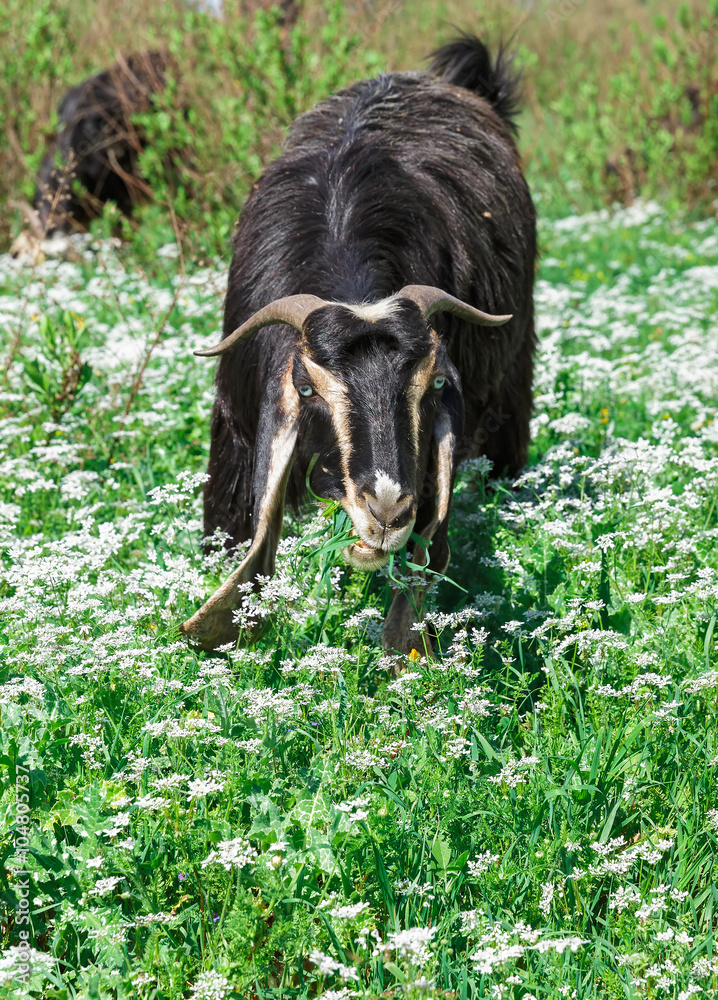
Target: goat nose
394	515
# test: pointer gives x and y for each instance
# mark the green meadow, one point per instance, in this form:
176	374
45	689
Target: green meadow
530	812
527	810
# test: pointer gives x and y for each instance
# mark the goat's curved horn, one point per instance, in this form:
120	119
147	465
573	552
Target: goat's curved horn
293	310
431	300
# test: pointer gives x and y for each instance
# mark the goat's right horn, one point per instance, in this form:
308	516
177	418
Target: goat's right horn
292	310
432	300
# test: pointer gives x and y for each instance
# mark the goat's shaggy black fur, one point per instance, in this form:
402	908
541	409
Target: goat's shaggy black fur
409	178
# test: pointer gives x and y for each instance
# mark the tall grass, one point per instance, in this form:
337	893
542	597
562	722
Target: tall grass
240	81
621	98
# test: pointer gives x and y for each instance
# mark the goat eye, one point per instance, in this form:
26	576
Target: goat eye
439	382
305	390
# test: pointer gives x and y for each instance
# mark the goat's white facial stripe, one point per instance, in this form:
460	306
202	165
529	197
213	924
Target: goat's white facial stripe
386	491
417	390
334	393
372	312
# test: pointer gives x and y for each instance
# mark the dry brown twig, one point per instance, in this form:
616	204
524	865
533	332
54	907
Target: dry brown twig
137	381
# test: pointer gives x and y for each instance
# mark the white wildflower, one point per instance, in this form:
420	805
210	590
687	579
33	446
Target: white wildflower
327	965
231	854
203	786
209	986
547	894
105	885
481	863
412	943
348	912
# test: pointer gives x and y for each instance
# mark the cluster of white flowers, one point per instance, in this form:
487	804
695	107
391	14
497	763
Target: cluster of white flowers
623	897
200	787
475	703
363	758
362	618
355	810
264	702
209	986
232	854
547	893
512	773
326	965
497	946
105	885
412	887
349	912
16	687
481	863
151	803
19	960
411	943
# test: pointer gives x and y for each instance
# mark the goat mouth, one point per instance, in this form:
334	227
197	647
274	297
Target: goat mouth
361	555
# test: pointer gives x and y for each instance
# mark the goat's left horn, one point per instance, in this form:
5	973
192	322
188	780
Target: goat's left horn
292	310
431	300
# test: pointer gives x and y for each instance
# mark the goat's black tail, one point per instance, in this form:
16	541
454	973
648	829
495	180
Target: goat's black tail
466	62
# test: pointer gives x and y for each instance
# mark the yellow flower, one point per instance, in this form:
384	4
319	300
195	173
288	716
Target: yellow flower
414	656
604	415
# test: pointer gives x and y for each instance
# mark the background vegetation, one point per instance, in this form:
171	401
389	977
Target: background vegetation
621	97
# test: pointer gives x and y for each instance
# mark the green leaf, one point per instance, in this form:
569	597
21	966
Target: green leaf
458	864
441	849
318	846
38	375
311	810
395	971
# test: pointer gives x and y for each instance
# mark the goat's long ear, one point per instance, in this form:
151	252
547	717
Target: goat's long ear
213	624
444	446
432	300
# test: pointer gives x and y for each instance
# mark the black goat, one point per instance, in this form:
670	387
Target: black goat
397	208
97	145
